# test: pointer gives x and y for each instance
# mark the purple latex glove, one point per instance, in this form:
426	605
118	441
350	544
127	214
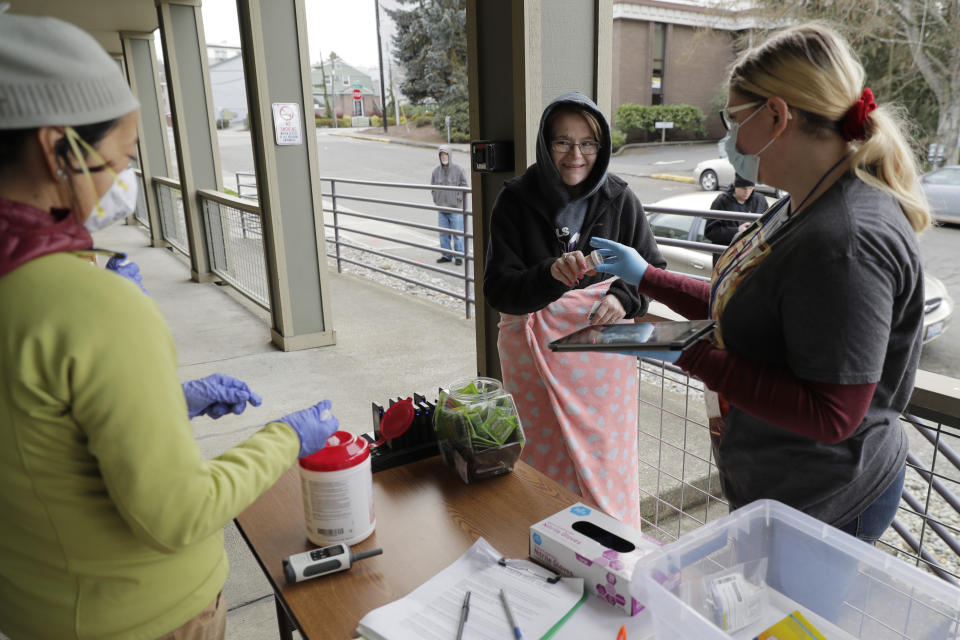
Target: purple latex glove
314	426
217	395
130	270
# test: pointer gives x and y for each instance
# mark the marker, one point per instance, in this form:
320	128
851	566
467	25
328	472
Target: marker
464	612
622	634
510	618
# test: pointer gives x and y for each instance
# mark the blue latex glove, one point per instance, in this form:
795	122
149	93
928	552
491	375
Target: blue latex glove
130	270
620	260
666	356
217	395
314	426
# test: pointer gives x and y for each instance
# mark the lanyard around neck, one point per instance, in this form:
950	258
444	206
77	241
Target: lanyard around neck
792	211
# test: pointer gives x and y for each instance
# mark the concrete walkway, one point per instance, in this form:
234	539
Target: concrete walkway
388	345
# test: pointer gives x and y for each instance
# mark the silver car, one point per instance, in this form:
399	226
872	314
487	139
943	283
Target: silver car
942	187
937	303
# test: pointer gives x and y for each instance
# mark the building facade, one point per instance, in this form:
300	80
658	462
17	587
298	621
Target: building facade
341	81
677	52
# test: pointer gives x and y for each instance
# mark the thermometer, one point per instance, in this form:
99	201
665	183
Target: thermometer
320	562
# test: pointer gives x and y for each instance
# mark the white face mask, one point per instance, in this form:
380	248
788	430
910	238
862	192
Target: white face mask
746	164
116	204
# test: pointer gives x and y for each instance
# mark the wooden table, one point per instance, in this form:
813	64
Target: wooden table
426	519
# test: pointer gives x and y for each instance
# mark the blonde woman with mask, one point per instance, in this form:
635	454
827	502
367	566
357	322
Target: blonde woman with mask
819	304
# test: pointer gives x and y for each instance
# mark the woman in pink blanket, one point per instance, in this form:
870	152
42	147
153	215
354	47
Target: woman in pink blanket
579	412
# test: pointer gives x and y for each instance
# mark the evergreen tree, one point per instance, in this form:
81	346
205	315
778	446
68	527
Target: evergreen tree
430	43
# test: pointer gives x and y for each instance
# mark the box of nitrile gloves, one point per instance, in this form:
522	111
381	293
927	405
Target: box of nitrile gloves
585	542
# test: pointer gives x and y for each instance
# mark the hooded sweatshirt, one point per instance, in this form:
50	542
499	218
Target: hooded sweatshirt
450	175
532	208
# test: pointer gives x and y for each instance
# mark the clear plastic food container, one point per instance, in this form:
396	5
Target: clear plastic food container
478	429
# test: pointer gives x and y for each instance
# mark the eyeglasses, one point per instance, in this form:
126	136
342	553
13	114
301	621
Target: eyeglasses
565	146
729	111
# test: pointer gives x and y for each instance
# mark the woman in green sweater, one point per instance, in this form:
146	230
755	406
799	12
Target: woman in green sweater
110	519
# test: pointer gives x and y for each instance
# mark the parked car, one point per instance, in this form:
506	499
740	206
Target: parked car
942	187
937	303
718	173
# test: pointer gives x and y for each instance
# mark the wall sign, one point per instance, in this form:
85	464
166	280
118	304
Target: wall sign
287	125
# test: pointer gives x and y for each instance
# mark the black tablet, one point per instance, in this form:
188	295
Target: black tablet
635	336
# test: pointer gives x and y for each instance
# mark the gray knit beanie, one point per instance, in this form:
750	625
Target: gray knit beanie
53	73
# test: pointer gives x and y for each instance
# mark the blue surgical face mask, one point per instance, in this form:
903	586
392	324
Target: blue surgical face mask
746	164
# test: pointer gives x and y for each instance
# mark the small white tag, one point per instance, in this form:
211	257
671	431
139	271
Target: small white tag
738	603
712	401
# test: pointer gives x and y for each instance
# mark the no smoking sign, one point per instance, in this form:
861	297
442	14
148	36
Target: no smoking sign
287	126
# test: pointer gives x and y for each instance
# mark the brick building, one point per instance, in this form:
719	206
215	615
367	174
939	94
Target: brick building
676	52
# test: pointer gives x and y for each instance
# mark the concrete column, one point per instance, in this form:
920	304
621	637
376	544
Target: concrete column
191	103
277	71
141	63
554	46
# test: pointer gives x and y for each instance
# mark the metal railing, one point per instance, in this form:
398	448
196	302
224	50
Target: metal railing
246	184
387	229
235	243
140	214
679	481
173	225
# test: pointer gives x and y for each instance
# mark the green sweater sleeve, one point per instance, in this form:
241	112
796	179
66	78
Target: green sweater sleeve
127	399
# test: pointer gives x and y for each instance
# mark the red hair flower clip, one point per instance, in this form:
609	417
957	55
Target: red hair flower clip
855	120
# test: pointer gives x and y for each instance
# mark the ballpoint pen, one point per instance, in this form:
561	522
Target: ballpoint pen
510	618
464	612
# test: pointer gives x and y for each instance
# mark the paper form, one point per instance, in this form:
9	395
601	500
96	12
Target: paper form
432	610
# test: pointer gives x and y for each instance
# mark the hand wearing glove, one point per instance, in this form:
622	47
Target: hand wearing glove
620	260
314	426
217	395
666	356
130	270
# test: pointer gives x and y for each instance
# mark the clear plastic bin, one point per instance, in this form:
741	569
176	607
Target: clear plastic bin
843	586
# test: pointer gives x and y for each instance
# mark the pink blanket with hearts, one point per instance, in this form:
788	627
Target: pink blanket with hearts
578	410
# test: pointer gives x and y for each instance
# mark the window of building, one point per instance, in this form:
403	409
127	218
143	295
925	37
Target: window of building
358	107
659	53
346	80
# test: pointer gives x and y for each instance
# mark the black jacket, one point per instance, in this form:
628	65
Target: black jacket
723	231
523	229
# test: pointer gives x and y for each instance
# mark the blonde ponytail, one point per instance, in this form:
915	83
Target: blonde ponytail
814	70
884	160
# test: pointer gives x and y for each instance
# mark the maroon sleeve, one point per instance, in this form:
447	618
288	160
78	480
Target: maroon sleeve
687	296
822	411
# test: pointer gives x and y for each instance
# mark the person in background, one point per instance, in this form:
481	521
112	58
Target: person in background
740	197
577	411
818	304
449	174
111	521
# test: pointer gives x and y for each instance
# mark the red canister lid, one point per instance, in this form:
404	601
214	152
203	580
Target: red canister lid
342	451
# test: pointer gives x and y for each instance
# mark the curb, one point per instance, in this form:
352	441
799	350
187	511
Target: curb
410	143
672	143
670	176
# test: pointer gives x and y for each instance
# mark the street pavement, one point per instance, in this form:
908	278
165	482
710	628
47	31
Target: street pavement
348	157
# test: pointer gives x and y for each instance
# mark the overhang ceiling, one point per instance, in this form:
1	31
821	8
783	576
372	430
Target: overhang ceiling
103	19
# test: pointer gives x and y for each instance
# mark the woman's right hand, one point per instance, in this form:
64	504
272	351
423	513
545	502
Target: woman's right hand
620	260
569	268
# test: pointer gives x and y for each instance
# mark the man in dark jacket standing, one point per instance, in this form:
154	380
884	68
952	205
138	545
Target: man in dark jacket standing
449	174
739	197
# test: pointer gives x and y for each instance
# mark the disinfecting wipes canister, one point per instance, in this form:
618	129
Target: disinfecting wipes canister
337	487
